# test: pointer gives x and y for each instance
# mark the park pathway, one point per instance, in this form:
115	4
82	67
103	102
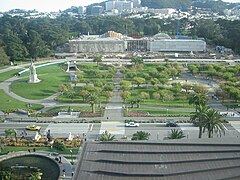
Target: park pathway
113	121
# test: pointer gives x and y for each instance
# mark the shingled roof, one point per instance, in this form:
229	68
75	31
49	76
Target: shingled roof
156	160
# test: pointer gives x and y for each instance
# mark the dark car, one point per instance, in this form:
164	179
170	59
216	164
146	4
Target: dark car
171	124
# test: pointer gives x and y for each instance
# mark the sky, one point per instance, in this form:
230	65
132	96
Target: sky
50	5
43	5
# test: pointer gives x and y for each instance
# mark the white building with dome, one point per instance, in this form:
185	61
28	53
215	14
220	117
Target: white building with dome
112	42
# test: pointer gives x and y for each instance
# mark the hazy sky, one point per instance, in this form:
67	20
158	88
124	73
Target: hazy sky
49	5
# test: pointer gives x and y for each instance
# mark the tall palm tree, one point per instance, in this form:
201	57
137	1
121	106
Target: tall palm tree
199	116
176	134
92	99
213	123
198	99
141	135
11	132
106	136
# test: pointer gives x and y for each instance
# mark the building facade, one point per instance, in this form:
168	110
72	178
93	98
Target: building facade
112	42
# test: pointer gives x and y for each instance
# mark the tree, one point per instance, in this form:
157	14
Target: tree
132	101
15	48
186	87
97	59
125	95
198	117
11	132
137	60
36	46
139	80
84	94
92	99
176	134
213	123
199	88
154	81
59	145
106	136
63	88
144	95
140	135
107	94
198	99
125	85
4	59
71	94
156	95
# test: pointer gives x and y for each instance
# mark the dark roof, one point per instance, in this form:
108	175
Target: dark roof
153	160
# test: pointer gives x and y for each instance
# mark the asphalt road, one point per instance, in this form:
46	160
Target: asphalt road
158	131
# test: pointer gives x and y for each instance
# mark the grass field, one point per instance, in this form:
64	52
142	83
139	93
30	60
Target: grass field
48	86
75	108
154	102
162	112
8	103
6	75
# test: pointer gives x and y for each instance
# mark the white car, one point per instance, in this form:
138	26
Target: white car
131	124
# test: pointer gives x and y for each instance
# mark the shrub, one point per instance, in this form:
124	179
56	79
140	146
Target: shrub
58	145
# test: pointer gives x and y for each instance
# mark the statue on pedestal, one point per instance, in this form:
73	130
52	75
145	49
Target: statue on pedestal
33	74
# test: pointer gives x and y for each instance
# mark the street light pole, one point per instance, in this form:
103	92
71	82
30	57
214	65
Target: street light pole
71	155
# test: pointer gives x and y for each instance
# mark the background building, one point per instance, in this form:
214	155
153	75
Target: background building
113	42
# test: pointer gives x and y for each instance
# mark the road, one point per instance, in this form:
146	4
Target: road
157	130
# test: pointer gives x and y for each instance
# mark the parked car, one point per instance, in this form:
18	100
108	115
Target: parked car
171	124
131	124
33	128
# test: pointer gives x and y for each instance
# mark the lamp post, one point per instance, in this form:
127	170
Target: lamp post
71	155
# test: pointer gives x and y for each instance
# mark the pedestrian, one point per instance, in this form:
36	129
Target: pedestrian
64	173
29	150
107	118
72	173
60	159
34	150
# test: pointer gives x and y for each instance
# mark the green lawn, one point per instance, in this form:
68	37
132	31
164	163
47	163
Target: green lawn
47	69
48	86
6	75
155	102
75	108
173	103
162	112
8	103
7	149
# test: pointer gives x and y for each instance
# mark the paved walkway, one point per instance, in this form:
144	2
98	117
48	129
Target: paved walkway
113	119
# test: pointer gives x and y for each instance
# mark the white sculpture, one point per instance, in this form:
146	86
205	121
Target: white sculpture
70	137
33	75
37	136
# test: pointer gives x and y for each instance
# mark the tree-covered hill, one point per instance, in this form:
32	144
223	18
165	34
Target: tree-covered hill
215	6
157	4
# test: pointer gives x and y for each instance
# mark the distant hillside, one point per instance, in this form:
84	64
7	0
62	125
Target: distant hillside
158	4
215	6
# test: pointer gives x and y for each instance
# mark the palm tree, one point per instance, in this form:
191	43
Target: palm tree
11	132
106	136
176	134
198	99
141	135
198	117
213	123
92	99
